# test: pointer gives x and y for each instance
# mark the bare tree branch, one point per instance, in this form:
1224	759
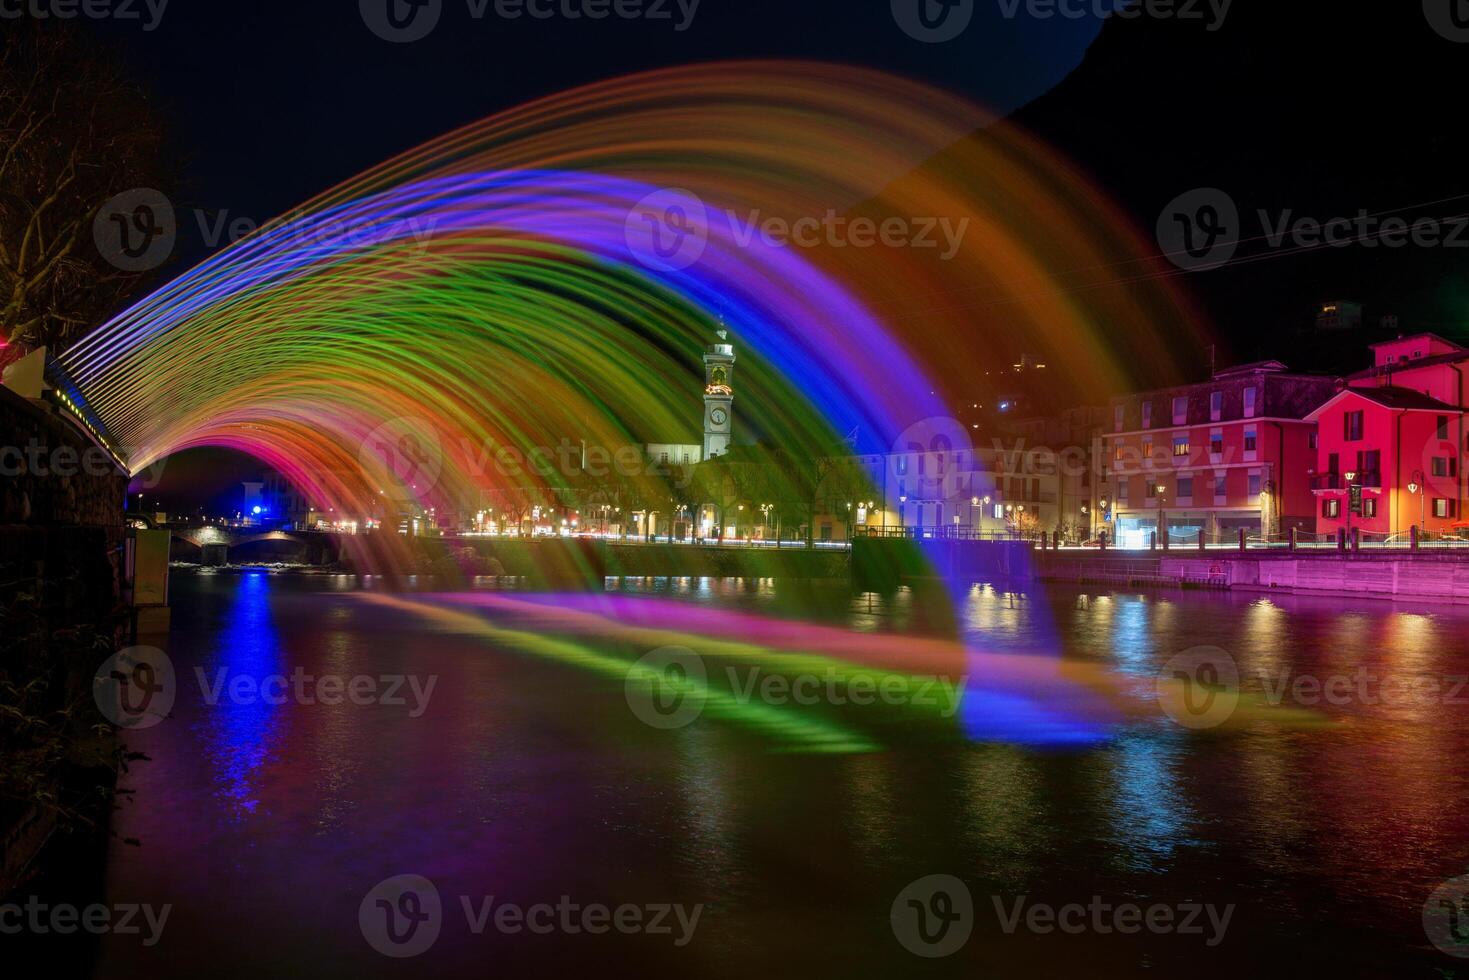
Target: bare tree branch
74	132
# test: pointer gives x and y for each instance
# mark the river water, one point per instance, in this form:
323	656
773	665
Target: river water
1308	836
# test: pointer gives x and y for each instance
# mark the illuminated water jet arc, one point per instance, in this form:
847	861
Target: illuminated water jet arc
751	118
804	327
296	325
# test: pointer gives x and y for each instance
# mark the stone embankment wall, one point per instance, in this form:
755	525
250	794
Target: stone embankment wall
61	539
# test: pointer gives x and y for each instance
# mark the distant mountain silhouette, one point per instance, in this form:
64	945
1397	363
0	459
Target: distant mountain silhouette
1322	109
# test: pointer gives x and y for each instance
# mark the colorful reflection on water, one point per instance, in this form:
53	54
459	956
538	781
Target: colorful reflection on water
528	777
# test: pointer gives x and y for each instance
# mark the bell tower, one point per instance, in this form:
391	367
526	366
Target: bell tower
718	396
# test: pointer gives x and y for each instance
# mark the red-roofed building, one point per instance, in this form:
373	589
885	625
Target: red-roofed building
1213	459
1398	432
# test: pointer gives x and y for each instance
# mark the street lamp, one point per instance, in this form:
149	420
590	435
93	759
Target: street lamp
1161	536
1418	486
1352	494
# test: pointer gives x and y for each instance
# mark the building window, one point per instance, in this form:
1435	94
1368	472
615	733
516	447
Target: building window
1369	506
1180	446
1185	488
1147	452
1147	415
999	512
1221	487
1117	414
1250	398
1119	453
1150	489
1254	484
1443	426
1180	410
1445	508
1216	406
1352	426
1252	440
1445	466
1369	465
1122	486
1216	442
1331	507
1313	441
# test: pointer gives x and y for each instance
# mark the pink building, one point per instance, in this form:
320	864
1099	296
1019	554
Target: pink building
1397	433
1233	453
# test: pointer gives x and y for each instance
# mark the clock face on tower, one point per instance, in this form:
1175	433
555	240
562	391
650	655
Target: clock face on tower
718	416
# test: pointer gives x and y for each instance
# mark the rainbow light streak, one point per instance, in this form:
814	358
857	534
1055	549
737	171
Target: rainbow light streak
1030	700
787	730
484	291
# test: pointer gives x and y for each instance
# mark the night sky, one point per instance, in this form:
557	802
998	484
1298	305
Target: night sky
271	103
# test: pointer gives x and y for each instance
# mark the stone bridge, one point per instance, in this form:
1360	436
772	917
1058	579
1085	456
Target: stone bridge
212	544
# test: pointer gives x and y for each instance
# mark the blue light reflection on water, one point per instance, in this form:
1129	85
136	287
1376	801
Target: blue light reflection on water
239	732
1132	637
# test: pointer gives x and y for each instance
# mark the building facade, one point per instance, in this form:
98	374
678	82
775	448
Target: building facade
1037	476
1392	442
1233	453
